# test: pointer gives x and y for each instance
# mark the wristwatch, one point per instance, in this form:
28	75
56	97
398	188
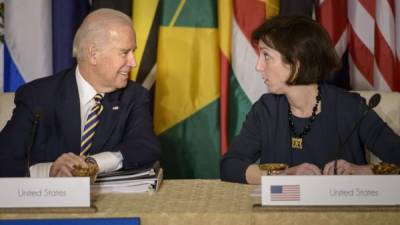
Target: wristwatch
89	171
91	160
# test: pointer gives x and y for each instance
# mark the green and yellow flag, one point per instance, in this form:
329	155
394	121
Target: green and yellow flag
186	113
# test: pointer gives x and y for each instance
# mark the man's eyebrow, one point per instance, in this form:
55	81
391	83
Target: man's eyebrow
127	49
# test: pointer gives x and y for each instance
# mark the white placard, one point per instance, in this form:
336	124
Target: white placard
331	190
44	192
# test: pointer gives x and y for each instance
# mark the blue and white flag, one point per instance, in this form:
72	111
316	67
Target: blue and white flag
38	38
27	42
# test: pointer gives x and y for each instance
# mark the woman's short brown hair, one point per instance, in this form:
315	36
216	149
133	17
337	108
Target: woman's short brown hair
304	45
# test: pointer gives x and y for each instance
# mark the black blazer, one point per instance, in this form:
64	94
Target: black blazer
125	124
265	134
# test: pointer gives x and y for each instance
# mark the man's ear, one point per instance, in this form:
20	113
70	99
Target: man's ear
92	54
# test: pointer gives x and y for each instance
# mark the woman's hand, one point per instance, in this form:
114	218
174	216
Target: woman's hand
345	168
303	169
253	174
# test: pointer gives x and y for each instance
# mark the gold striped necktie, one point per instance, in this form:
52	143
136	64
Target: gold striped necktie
90	125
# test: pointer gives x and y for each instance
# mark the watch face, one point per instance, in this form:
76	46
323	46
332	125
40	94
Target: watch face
90	160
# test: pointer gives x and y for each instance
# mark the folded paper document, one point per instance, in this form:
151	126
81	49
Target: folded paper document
145	179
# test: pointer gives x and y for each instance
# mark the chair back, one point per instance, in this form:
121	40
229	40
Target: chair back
388	109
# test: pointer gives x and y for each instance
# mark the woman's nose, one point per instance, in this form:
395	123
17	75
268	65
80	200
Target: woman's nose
260	64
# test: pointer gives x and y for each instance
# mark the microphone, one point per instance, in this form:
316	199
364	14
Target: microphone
36	113
372	103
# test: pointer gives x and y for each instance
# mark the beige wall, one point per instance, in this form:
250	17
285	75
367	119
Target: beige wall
6	107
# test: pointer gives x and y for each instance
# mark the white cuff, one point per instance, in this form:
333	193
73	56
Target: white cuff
40	169
108	161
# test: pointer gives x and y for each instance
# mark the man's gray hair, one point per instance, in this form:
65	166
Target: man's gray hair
95	28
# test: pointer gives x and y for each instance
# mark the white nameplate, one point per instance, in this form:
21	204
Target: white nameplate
44	192
330	190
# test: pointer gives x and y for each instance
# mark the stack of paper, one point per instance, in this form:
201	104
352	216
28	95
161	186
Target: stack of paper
129	181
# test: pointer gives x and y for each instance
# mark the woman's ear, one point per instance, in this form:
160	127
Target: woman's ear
294	70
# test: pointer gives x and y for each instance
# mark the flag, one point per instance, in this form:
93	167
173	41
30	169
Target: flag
365	33
224	29
243	85
373	57
28	42
187	89
285	193
66	18
38	38
332	15
146	22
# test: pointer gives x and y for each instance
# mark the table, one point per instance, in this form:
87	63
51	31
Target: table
214	202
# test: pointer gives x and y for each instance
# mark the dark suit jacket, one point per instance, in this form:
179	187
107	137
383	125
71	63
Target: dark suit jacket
265	135
125	124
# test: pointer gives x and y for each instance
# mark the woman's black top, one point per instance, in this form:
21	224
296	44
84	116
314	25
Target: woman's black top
265	135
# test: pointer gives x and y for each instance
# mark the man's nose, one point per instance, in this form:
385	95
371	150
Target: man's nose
131	60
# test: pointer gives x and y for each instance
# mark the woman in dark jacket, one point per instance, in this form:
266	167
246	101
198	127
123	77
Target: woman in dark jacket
302	122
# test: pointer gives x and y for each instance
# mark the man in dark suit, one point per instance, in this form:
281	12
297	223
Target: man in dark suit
91	111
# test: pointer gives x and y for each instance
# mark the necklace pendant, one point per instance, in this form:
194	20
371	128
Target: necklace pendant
297	143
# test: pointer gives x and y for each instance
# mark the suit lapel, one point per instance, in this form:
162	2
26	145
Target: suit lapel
68	114
108	120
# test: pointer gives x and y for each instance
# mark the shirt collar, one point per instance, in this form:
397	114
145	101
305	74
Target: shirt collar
85	90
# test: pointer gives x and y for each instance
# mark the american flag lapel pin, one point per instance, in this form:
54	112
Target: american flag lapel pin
115	108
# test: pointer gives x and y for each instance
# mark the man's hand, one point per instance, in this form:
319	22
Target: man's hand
345	168
303	169
64	165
